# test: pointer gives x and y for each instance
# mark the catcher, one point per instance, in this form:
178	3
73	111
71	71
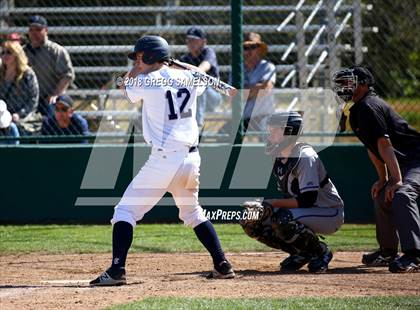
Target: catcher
310	205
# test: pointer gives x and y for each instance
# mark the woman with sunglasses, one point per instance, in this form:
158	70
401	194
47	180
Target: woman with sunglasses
18	82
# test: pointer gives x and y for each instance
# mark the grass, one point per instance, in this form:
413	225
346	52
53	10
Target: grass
56	239
368	303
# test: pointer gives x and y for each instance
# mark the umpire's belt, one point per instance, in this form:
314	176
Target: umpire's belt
193	149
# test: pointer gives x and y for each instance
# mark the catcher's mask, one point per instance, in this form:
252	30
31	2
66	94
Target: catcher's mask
291	123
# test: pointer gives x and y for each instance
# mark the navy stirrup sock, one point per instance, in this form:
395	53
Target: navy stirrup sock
207	235
122	236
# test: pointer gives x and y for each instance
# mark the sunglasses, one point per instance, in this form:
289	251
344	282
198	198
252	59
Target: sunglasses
6	52
251	47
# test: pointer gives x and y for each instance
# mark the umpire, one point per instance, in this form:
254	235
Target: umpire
394	149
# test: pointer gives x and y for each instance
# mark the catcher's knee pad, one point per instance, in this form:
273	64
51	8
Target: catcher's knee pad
282	216
284	225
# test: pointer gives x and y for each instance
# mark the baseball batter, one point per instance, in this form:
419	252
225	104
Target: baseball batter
311	203
170	127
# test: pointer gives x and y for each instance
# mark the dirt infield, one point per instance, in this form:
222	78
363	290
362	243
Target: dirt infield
39	281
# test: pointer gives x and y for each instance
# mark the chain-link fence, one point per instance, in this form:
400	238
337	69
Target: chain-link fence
307	41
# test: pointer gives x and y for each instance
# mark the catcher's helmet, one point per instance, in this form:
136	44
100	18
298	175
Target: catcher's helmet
290	121
292	124
346	81
154	48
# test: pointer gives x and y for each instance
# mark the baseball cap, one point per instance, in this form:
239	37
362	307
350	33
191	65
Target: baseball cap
37	20
5	116
196	33
66	100
363	74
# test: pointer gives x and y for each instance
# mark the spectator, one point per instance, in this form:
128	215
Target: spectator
18	82
204	58
7	128
14	36
50	61
64	121
259	74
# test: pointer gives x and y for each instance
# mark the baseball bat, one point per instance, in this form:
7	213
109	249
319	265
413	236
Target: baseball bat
218	85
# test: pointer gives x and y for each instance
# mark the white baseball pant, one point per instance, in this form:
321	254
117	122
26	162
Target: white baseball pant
174	171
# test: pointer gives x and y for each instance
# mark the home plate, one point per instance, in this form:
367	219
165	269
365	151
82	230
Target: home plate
66	281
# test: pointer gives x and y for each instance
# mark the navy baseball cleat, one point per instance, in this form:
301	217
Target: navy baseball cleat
110	278
405	264
319	264
379	258
294	263
223	271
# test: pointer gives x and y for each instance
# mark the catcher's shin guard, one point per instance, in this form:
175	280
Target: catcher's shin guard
294	262
261	229
295	234
276	243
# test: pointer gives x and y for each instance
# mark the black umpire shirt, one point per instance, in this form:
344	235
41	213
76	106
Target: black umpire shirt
372	118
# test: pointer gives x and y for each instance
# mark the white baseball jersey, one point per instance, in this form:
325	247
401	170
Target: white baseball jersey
169	107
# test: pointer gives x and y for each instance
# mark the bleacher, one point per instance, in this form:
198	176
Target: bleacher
99	37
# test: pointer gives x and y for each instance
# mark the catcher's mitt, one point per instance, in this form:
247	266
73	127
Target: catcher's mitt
256	215
264	228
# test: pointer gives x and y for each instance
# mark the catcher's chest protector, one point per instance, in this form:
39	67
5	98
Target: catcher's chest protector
282	170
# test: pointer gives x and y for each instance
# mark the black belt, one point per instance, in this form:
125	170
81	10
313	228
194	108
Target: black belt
193	149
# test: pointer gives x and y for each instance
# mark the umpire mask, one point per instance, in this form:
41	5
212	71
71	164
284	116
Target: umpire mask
346	81
344	84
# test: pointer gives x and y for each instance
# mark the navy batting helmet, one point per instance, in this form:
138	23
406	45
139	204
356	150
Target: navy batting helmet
154	48
292	124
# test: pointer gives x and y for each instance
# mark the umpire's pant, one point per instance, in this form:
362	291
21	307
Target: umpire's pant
400	220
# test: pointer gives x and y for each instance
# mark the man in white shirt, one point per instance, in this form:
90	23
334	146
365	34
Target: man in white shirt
170	127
